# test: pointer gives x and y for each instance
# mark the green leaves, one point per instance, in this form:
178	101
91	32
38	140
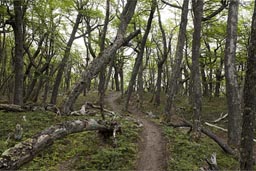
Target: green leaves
92	13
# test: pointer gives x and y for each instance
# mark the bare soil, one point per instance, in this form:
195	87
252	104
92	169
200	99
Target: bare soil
152	147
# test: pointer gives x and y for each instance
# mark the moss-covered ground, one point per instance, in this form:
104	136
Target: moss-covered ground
186	154
80	151
88	151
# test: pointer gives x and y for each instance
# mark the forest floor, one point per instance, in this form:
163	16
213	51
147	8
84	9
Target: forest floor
152	146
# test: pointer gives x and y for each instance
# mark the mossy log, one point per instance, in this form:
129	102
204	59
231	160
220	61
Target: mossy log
14	157
11	108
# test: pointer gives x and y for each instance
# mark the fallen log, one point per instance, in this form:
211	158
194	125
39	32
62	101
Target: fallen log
210	134
215	126
222	116
14	157
11	108
87	106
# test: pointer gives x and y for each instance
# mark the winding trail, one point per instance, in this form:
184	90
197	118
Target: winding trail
152	147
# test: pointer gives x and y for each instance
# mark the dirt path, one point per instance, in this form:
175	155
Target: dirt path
152	152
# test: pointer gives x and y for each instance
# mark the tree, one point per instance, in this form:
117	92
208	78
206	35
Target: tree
139	58
96	65
175	75
232	90
197	6
161	60
17	25
249	111
65	58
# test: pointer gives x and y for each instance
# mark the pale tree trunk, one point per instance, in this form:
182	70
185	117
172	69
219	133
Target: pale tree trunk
18	58
64	60
248	128
102	75
173	83
96	65
197	6
232	90
139	58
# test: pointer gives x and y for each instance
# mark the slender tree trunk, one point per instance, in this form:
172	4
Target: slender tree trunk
140	55
96	65
197	6
248	128
65	60
18	58
204	81
161	61
218	79
233	97
173	83
116	79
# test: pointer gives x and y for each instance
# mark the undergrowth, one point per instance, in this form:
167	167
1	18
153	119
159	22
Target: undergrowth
80	151
189	155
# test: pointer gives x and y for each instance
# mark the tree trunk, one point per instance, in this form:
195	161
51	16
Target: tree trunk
161	61
65	60
197	6
18	58
97	64
140	55
173	83
116	79
219	78
233	99
248	128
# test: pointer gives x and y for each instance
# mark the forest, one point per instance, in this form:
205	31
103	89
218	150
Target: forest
127	85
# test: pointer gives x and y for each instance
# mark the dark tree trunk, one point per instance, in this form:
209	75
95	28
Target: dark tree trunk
197	6
219	78
161	60
248	128
18	58
140	55
116	79
96	65
232	90
173	83
64	60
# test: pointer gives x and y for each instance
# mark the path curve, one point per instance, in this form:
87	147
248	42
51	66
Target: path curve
152	147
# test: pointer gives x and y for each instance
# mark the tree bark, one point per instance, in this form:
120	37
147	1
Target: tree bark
139	58
173	83
197	6
232	90
97	64
248	126
18	58
161	61
13	158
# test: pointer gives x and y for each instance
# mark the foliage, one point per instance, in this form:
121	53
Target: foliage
189	155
